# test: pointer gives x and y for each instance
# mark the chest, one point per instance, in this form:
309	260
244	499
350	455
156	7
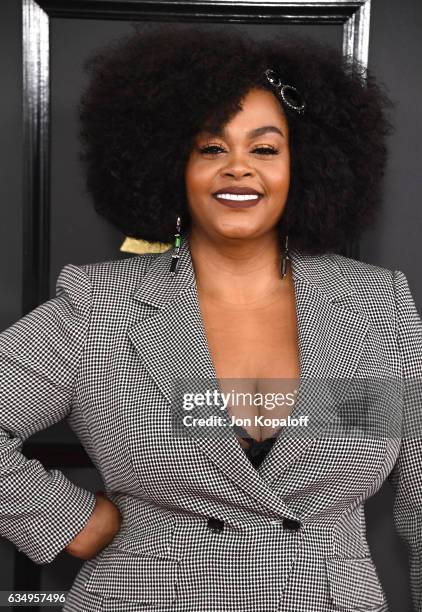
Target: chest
253	343
254	351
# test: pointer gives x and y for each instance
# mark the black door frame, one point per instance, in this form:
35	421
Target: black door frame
353	15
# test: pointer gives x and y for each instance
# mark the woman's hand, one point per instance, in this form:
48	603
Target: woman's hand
101	528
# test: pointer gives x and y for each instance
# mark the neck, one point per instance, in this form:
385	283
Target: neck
238	271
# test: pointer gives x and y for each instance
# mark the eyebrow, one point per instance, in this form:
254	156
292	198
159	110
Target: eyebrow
252	133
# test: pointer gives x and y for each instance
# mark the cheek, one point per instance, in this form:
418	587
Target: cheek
196	179
278	178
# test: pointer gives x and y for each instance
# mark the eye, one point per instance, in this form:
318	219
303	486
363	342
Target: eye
210	149
266	150
215	149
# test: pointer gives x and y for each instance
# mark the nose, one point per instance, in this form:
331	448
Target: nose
236	166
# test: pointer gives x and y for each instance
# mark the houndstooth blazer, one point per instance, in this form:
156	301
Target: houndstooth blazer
203	530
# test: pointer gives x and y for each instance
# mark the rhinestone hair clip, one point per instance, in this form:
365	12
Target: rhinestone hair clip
289	94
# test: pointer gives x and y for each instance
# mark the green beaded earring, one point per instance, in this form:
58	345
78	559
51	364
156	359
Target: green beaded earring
177	242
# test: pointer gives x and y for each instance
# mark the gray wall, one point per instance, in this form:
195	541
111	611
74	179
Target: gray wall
395	53
395	56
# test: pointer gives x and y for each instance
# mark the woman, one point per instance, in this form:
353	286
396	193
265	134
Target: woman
263	159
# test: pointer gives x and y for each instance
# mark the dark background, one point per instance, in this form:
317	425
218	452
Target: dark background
79	236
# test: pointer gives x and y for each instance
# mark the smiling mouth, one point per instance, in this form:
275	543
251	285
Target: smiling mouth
237	200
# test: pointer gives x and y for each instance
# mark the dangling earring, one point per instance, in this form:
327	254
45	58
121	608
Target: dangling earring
177	241
285	258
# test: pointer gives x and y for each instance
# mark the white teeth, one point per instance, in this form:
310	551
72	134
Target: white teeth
237	196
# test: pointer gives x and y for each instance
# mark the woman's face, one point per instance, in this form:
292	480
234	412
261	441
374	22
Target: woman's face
252	153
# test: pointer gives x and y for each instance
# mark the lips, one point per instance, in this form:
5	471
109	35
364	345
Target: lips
238	191
238	197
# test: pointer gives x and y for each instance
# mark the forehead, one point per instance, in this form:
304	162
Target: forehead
261	101
259	109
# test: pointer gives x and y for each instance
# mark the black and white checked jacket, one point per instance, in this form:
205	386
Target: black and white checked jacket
203	530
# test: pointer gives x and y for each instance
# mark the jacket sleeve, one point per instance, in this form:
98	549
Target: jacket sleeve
406	476
41	511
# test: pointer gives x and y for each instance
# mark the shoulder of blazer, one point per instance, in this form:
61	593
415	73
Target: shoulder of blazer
362	275
117	278
373	285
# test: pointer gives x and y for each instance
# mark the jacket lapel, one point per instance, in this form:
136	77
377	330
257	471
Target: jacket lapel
332	333
172	343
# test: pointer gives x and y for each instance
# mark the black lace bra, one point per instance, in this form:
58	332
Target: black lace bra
256	451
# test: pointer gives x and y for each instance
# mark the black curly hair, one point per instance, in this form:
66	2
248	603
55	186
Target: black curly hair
150	93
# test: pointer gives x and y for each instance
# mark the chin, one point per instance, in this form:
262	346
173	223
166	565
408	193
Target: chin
238	232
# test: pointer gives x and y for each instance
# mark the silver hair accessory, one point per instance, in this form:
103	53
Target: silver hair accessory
289	94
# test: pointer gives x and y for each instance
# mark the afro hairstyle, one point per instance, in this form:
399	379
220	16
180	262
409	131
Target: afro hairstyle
150	93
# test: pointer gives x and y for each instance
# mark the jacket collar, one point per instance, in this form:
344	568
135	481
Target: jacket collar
158	288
